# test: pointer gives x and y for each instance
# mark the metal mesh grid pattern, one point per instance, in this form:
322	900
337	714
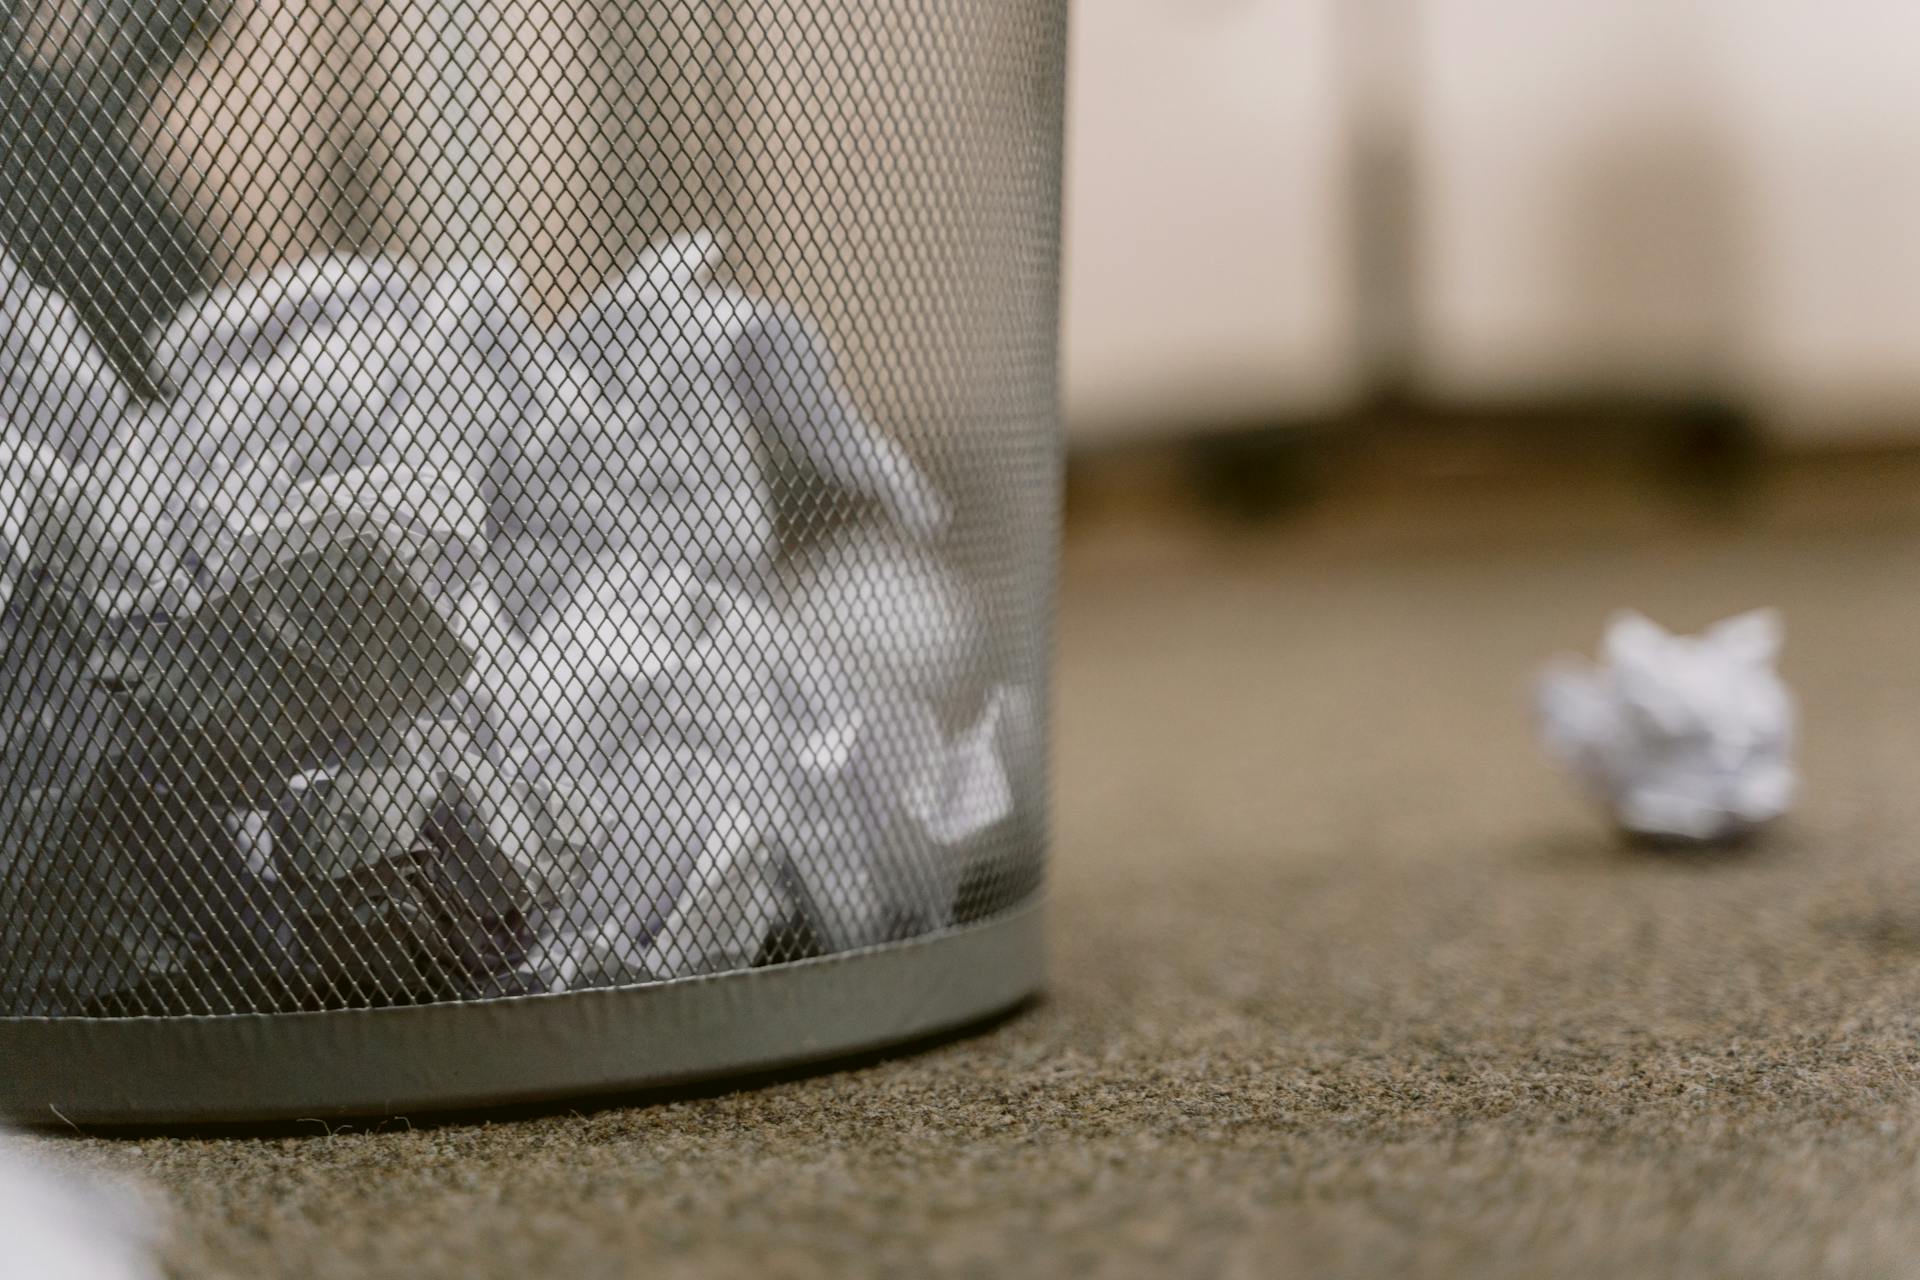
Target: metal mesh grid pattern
516	496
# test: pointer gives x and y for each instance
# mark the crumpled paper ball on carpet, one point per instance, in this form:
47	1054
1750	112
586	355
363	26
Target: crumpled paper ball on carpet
1683	738
59	1225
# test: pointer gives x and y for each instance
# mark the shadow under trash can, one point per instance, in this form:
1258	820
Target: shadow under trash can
532	575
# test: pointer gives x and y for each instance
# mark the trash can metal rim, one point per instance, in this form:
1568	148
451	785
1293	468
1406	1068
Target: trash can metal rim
450	1055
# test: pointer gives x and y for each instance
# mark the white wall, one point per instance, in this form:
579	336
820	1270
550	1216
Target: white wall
1206	259
1572	198
1613	195
1823	106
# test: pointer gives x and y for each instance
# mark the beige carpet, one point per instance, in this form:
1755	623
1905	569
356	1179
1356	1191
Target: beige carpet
1345	982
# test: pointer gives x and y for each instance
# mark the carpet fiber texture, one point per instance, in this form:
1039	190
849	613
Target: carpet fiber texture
1346	982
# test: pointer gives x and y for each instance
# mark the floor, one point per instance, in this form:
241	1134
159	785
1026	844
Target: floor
1346	982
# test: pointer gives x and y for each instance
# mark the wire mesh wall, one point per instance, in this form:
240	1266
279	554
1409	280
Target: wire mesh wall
516	496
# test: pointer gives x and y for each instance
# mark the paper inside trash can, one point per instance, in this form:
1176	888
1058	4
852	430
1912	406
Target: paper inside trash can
326	634
418	654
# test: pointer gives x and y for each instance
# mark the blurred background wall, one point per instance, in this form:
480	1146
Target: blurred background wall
1283	210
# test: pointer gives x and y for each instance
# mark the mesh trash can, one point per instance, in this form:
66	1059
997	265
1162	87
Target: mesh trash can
526	539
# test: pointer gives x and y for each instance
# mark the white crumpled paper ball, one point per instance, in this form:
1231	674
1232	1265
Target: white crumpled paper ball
1686	738
57	389
59	1225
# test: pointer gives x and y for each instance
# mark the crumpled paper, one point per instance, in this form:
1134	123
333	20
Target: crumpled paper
1683	738
56	719
324	633
815	438
884	609
48	527
420	868
68	907
57	1223
773	767
664	323
57	390
412	652
355	378
883	802
653	691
